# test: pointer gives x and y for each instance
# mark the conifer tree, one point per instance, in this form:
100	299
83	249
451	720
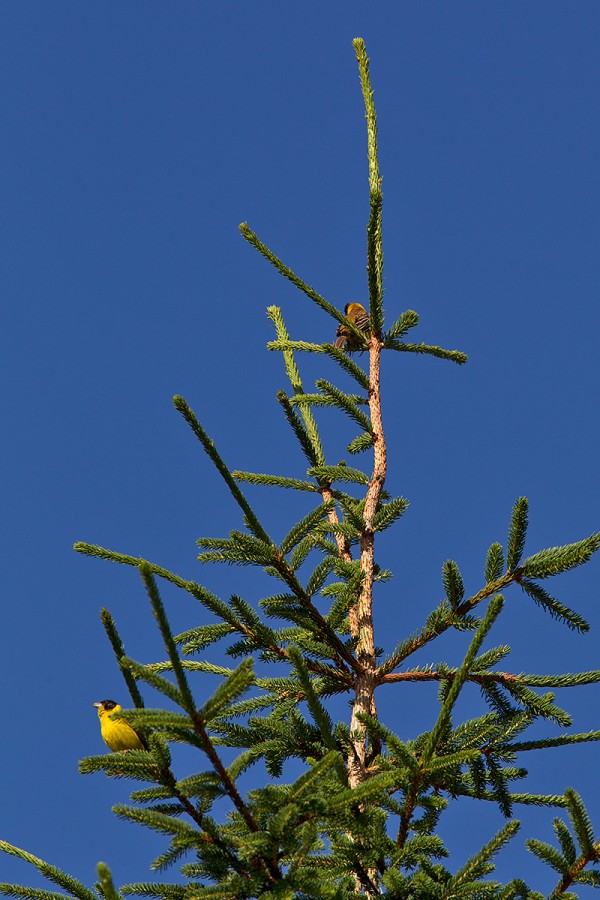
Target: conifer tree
361	820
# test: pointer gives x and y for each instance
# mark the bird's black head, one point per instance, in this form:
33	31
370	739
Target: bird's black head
106	704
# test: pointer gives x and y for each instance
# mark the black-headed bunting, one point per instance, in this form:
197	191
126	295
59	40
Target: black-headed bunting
116	733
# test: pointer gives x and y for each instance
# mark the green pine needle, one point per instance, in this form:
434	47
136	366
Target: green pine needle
556	609
494	563
329	474
345	403
407	320
477	866
211	450
347	364
229	690
456	356
274	481
388	513
548	854
23	892
119	651
109	892
306	445
517	533
581	823
565	839
73	887
374	245
453	583
361	443
284	270
440	726
560	559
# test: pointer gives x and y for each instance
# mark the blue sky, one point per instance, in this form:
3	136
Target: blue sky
136	137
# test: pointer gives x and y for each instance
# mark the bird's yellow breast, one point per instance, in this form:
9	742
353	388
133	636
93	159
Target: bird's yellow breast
116	733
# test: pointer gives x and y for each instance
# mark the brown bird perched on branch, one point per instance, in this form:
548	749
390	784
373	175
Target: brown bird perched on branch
357	314
116	733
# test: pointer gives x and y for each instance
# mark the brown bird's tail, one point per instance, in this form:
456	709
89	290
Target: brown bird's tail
342	336
357	314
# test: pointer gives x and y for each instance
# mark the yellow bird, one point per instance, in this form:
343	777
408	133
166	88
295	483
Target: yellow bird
357	314
116	733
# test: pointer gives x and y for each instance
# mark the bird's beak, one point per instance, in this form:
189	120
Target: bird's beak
97	705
